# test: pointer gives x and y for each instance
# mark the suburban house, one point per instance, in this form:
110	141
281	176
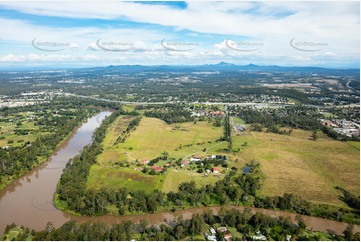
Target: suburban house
222	229
215	170
184	163
145	162
196	158
228	237
156	168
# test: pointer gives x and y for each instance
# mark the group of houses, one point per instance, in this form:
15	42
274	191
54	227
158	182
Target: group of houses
202	113
343	127
223	234
195	158
146	162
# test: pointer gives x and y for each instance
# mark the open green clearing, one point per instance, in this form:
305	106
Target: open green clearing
12	123
120	177
297	163
289	163
153	136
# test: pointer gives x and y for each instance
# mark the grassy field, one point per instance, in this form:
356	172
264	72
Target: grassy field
111	153
153	136
149	140
13	234
7	133
297	164
118	177
289	163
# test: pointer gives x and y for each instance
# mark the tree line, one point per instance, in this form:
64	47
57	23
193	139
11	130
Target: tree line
245	223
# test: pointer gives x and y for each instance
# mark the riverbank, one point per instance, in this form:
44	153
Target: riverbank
28	201
43	160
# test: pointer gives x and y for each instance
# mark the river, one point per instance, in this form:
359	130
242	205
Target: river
28	201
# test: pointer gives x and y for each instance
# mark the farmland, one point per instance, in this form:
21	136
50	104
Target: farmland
153	136
297	163
288	163
18	129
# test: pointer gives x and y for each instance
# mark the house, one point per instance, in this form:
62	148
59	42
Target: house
145	162
213	232
196	158
240	127
259	237
228	237
156	168
222	229
215	170
208	171
167	165
211	237
138	168
184	163
328	123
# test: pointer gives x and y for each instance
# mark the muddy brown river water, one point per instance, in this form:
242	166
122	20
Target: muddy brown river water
28	201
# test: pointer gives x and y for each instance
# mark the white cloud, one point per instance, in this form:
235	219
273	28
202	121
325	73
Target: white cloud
272	23
34	57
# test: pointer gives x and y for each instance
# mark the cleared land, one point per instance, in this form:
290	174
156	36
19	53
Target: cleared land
297	164
10	125
120	177
289	163
148	141
153	136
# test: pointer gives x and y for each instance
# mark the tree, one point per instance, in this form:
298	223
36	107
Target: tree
314	135
143	224
164	155
348	232
209	216
196	224
179	232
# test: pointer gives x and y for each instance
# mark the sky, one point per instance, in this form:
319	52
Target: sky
80	33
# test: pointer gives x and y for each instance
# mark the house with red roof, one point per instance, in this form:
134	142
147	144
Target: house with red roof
228	237
145	162
156	168
215	170
184	163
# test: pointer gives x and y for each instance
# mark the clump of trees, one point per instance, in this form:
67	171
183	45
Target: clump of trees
170	114
132	124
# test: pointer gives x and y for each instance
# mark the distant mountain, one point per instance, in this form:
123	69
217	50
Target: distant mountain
222	67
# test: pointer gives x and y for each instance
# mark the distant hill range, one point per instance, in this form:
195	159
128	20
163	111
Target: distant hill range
224	67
